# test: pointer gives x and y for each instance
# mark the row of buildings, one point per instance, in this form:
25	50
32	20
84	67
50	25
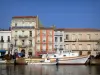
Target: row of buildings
28	35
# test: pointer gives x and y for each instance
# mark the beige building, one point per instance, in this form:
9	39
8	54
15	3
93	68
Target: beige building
23	29
84	41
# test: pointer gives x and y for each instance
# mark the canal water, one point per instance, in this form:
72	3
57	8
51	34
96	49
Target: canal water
49	70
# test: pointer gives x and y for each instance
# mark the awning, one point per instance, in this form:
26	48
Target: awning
20	54
2	50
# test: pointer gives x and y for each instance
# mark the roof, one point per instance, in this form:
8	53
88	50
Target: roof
24	17
39	23
59	29
46	28
77	29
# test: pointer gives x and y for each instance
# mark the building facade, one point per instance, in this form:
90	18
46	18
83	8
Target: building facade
5	41
23	29
84	41
44	40
59	40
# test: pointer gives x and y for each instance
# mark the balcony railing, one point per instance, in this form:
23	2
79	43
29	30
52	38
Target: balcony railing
30	45
24	27
23	46
81	40
49	41
23	36
70	40
88	40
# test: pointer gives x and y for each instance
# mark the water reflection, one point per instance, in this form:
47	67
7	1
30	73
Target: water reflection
49	70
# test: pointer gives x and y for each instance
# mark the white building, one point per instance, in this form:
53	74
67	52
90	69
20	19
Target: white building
5	41
23	34
59	39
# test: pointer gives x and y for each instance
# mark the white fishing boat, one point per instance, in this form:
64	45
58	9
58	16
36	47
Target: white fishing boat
67	57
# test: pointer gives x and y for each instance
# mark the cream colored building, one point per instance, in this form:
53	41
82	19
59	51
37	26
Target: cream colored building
84	41
23	34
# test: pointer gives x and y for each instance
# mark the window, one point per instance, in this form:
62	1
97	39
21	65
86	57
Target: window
44	40
89	46
30	53
73	37
80	36
96	36
64	55
8	38
23	31
15	42
2	39
60	46
1	45
54	55
9	45
23	42
80	46
15	33
38	40
88	36
67	46
15	24
67	37
73	46
30	42
55	46
55	39
60	39
30	33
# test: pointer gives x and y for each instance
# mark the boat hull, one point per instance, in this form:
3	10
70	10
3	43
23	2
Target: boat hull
73	61
44	63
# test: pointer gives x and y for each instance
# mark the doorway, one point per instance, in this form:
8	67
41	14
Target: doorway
23	52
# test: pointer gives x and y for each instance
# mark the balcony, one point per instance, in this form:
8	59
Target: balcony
50	42
60	48
30	37
23	36
30	45
23	27
38	42
81	40
22	46
59	34
1	41
70	40
50	35
88	40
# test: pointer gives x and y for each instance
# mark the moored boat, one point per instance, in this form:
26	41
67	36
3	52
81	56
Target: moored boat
41	61
74	60
68	57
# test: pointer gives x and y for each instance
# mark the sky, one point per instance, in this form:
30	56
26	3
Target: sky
61	13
